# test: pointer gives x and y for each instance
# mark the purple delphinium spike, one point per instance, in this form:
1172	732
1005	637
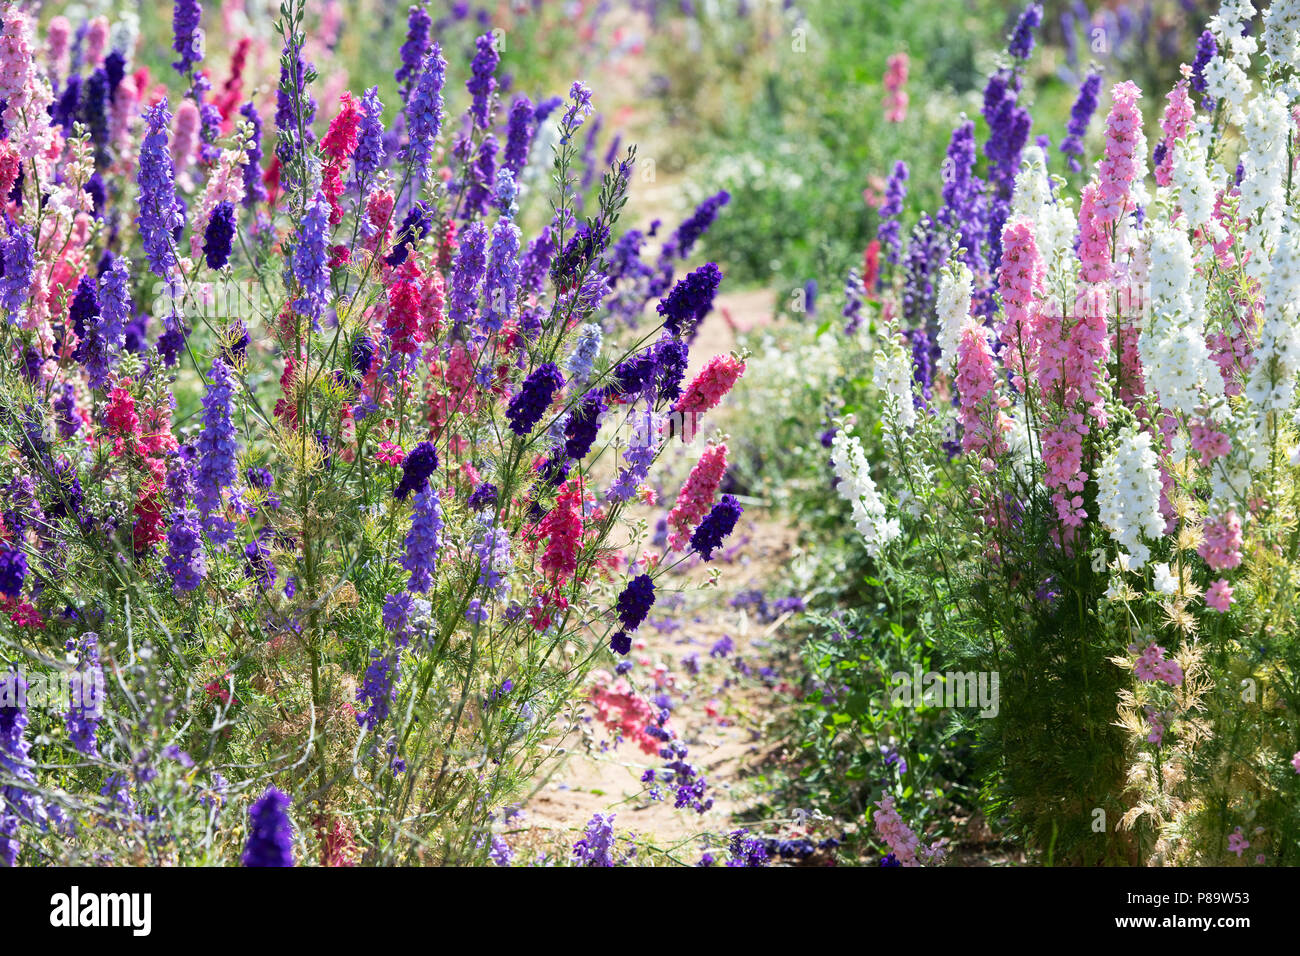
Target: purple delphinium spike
114	313
310	262
717	524
185	561
890	231
1022	40
254	190
481	178
579	108
19	261
424	113
596	847
639	456
219	235
690	300
1206	50
1080	116
467	274
84	316
519	135
583	358
188	36
370	154
423	540
534	397
217	450
501	283
160	215
963	209
635	601
482	84
270	834
415	48
582	425
378	690
18	801
86	704
416	469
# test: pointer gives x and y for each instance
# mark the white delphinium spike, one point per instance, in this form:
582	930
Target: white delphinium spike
1128	495
956	286
1175	360
857	488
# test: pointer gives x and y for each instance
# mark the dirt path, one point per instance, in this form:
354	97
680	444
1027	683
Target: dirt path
715	656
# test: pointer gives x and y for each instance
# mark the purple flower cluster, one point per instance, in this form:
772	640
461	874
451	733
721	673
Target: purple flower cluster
270	834
415	48
160	215
254	190
467	274
424	112
423	541
416	469
378	690
217	449
717	524
520	129
185	561
890	231
690	300
482	84
638	457
219	235
1022	40
85	708
13	572
596	848
188	37
534	397
1080	116
310	262
370	155
635	601
18	259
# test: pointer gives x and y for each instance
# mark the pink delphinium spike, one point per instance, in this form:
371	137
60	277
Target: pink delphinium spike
1020	282
696	496
1125	148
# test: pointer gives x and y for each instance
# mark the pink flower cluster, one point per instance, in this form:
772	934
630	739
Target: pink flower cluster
1152	665
1219	595
696	496
620	709
903	843
711	385
1175	123
1070	364
1020	282
983	422
1124	145
1209	442
895	96
1221	547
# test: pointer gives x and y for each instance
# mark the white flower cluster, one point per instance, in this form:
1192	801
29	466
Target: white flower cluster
1227	75
1264	170
1175	359
857	488
893	376
1128	494
1196	190
956	285
1271	387
1282	33
1054	222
